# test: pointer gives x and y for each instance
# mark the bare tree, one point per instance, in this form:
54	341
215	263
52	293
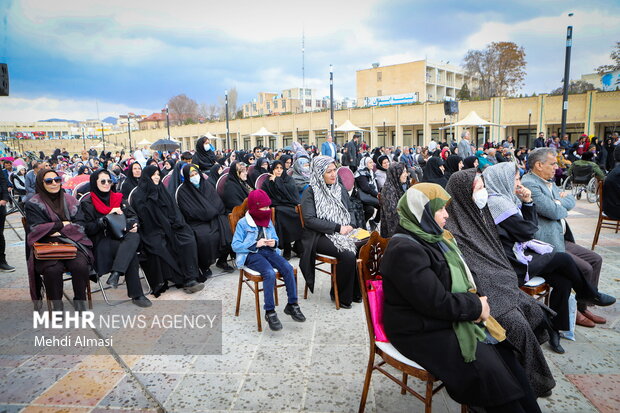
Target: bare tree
615	57
575	86
499	68
182	109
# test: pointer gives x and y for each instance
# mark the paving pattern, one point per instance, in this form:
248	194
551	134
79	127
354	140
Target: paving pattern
316	366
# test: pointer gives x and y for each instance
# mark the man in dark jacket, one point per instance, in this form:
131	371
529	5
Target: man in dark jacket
4	199
611	189
352	154
540	141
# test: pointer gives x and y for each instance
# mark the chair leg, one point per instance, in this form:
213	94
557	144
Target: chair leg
369	369
597	232
257	300
335	285
306	292
239	293
89	296
403	390
275	292
428	399
463	408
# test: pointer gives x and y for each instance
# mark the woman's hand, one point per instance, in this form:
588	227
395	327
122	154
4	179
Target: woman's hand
345	229
272	177
486	310
65	223
116	210
524	194
55	234
134	228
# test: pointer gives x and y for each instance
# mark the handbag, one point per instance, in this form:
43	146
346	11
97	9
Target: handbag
54	251
367	198
116	225
375	302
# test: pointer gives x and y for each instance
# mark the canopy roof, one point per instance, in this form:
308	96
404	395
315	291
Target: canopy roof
472	119
263	132
210	136
347	126
144	142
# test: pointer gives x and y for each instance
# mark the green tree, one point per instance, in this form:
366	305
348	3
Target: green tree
464	93
575	86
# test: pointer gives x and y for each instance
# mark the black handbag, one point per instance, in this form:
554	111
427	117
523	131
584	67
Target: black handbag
116	225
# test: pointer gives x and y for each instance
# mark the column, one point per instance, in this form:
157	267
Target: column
398	129
590	127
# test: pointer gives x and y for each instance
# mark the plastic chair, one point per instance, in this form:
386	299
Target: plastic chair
261	180
346	177
603	220
166	180
219	185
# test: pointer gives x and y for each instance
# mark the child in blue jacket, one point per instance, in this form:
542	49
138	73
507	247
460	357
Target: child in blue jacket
254	242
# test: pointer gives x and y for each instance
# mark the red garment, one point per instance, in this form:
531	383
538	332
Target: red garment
115	202
258	199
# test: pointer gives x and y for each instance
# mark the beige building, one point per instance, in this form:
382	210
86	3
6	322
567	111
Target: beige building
420	81
295	100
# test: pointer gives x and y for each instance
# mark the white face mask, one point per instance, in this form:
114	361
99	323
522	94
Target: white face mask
480	197
207	146
195	179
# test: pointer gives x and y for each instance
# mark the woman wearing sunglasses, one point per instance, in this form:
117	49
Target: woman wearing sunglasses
114	256
54	216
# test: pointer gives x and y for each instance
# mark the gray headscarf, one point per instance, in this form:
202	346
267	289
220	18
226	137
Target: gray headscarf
328	202
301	175
499	181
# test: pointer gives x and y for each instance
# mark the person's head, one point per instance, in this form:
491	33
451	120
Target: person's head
385	163
541	134
240	169
543	162
258	152
136	170
8	165
232	157
556	139
356	137
587	156
288	162
423	207
258	207
465	134
368	163
102	180
192	175
277	168
565	137
329	138
264	163
323	168
186	157
502	179
403	176
48	181
167	165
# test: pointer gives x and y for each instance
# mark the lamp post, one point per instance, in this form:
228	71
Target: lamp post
331	100
103	137
529	129
569	44
227	126
384	135
83	138
168	120
129	130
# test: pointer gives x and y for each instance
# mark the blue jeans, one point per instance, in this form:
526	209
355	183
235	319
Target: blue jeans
264	261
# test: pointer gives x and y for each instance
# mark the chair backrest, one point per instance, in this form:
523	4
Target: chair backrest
166	180
346	177
225	170
176	194
582	174
251	169
130	194
219	185
301	214
260	181
84	197
80	189
237	213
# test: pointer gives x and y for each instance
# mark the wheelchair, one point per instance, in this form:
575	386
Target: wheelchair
582	179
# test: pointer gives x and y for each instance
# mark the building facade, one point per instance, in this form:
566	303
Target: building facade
295	100
419	81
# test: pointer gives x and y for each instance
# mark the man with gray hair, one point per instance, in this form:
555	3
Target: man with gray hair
465	145
552	207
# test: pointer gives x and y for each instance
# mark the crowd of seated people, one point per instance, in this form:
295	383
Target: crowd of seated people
480	224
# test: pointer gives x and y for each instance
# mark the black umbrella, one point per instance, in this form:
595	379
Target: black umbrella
165	145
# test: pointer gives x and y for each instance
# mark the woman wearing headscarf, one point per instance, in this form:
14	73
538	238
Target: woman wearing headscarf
394	188
383	163
609	148
434	314
53	216
515	217
483	162
214	174
18	180
261	167
132	173
445	152
176	177
284	198
204	156
367	187
168	242
524	318
167	167
205	213
287	161
114	256
84	170
471	162
301	173
454	163
433	172
236	188
232	156
327	225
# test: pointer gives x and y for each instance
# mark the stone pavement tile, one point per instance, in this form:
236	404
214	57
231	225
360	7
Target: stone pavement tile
164	364
12	360
292	333
80	388
336	393
108	410
603	390
338	333
277	359
14	294
606	339
281	392
339	359
22	385
583	358
129	395
201	392
234	359
54	409
48	361
105	362
11	408
565	396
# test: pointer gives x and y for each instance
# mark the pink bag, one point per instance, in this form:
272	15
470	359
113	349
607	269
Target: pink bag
375	302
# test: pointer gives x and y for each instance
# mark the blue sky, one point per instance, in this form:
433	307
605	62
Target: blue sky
134	55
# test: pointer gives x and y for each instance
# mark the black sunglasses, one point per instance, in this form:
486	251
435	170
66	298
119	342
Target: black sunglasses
48	181
105	181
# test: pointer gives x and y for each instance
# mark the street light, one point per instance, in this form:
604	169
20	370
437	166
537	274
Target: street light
129	129
529	131
83	138
331	100
103	137
168	120
227	126
569	44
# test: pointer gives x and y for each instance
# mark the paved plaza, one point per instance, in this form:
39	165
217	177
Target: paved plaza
316	366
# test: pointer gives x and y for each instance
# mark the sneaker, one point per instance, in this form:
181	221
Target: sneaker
191	287
224	266
273	320
142	301
4	267
295	312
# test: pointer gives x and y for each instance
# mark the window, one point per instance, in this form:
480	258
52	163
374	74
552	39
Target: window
318	103
308	102
275	104
268	105
308	92
283	103
379	76
379	92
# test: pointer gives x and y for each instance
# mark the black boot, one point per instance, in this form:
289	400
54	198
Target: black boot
554	341
113	279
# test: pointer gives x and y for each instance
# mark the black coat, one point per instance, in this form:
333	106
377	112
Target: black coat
284	197
314	227
419	310
351	158
234	194
611	193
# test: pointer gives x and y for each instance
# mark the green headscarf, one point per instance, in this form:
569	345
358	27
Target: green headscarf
417	208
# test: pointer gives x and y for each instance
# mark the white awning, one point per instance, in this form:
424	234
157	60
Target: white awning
472	119
145	142
263	132
347	126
